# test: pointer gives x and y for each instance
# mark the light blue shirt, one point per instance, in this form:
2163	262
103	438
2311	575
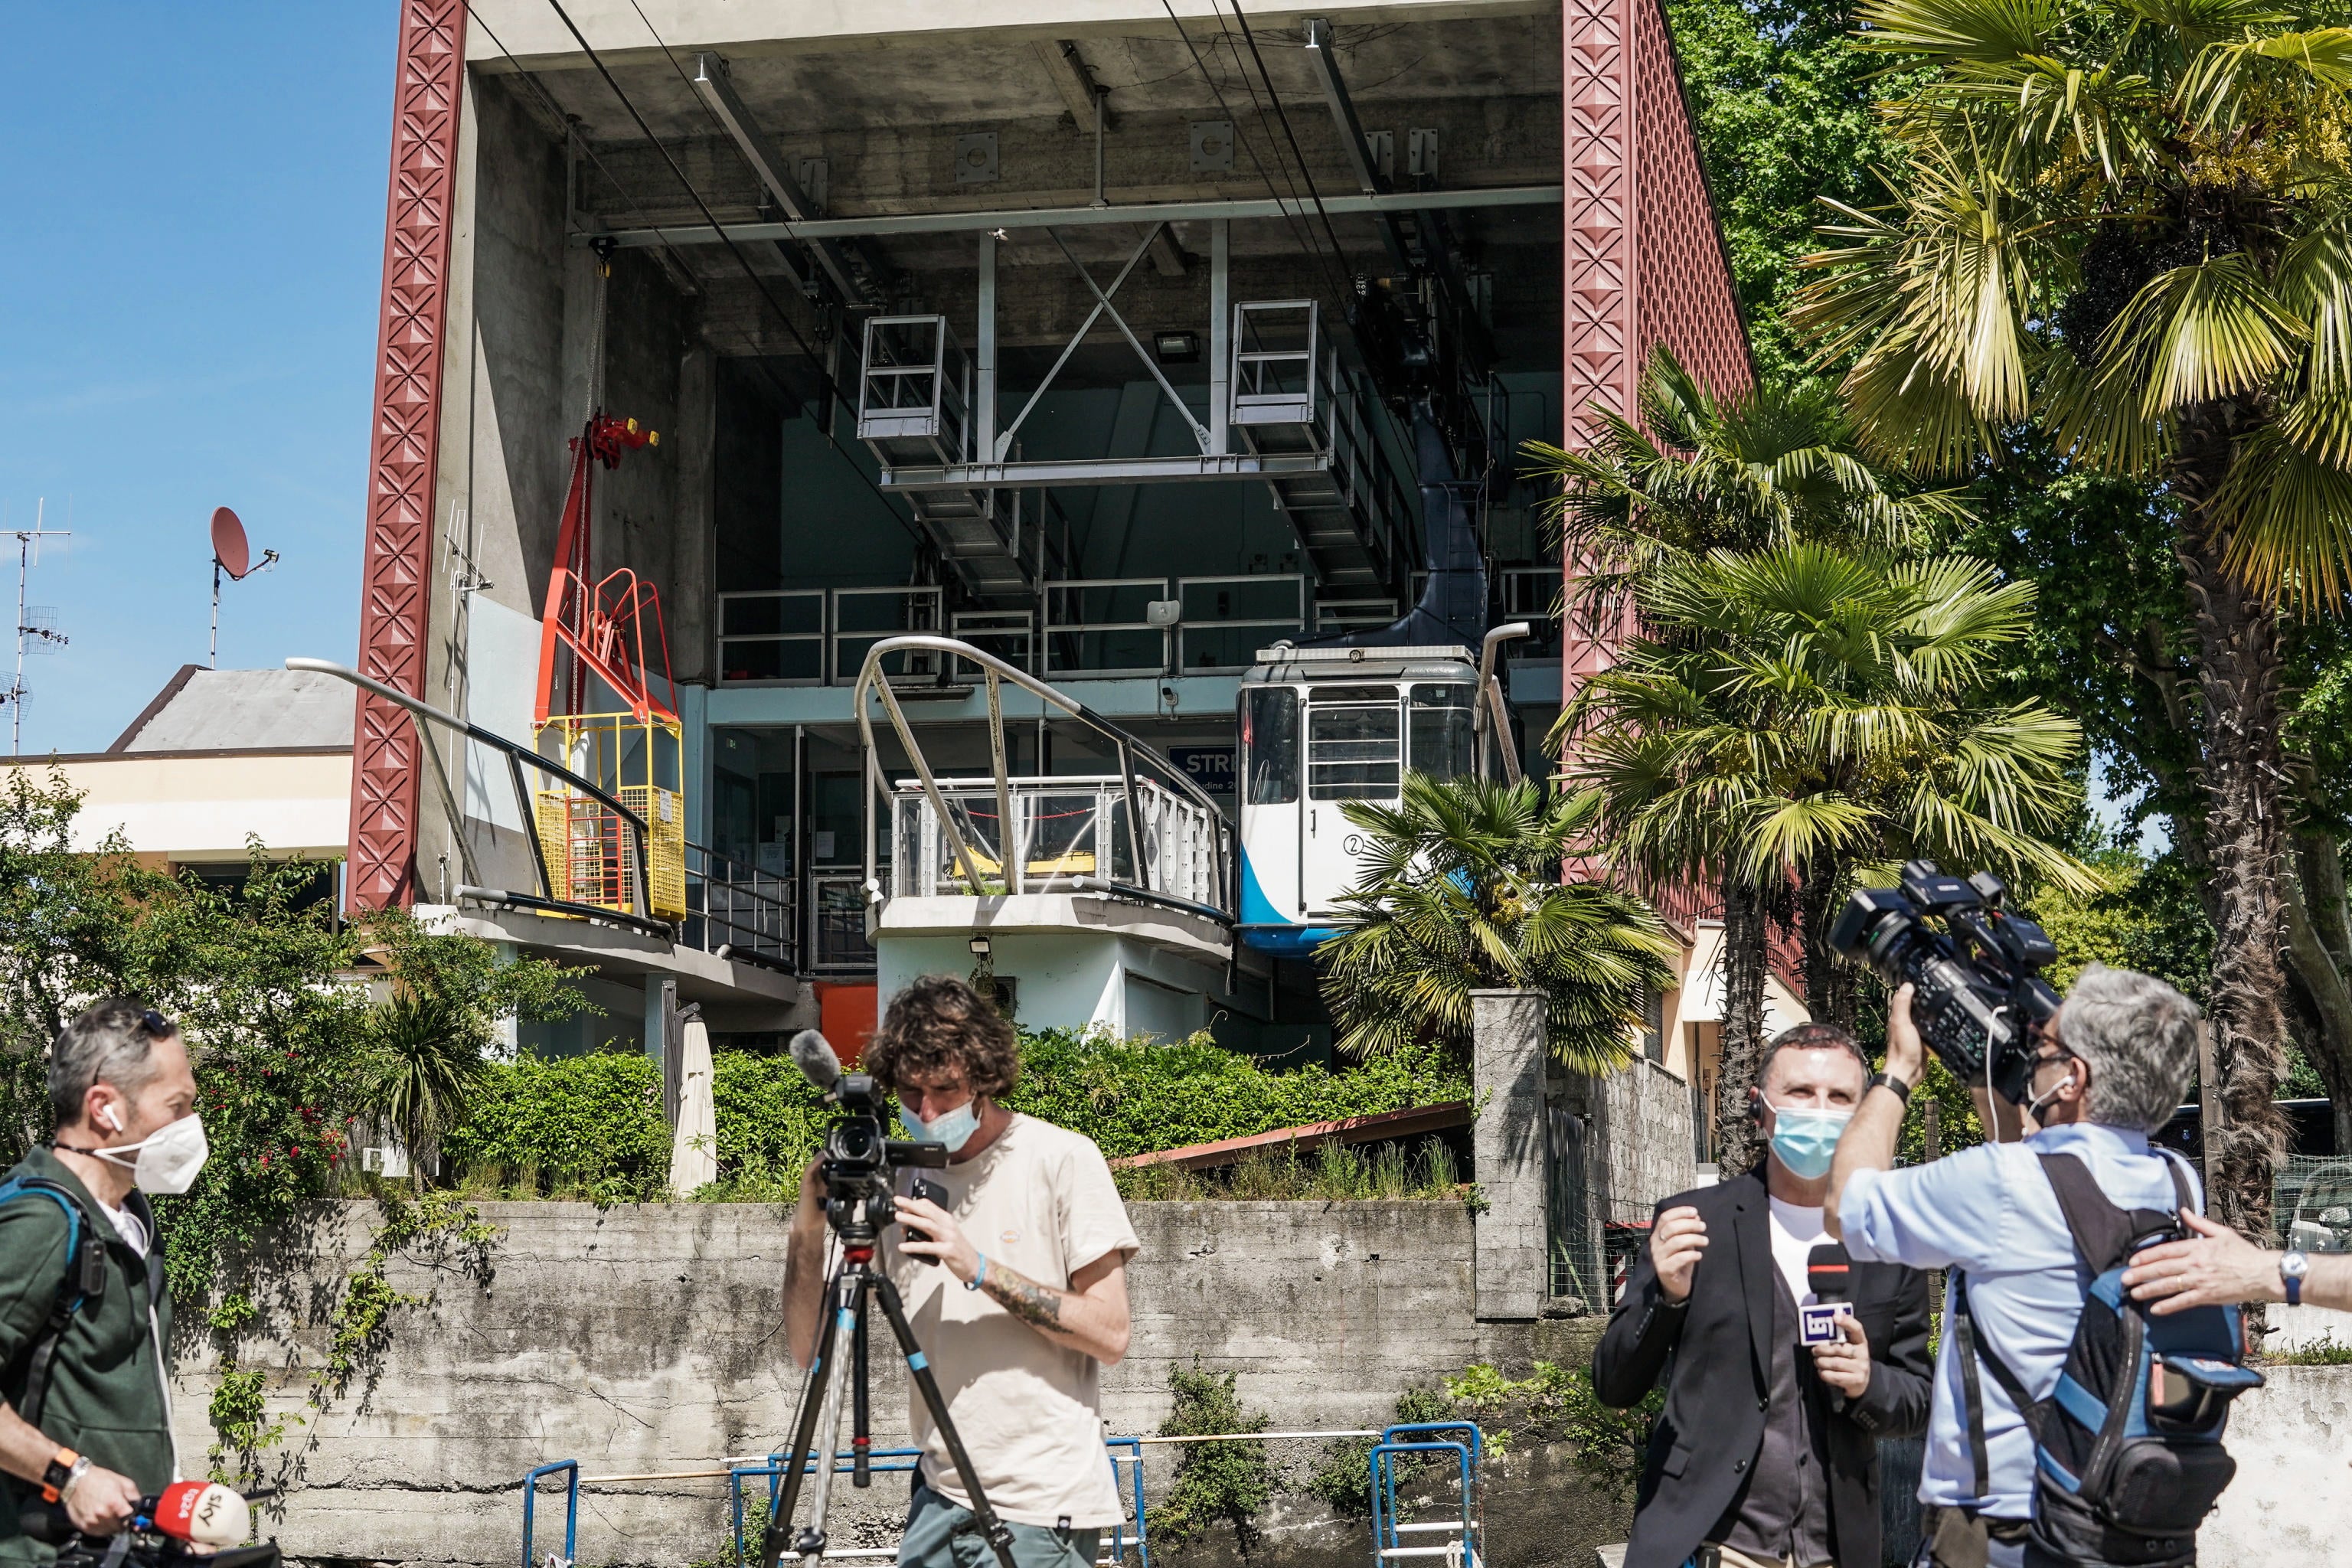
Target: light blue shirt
1991	1211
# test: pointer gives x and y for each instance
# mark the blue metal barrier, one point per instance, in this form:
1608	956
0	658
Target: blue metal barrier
1119	1542
1388	1543
571	1508
1120	1451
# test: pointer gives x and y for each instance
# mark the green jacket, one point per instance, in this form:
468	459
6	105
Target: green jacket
105	1396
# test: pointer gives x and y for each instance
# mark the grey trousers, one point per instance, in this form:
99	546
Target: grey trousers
942	1535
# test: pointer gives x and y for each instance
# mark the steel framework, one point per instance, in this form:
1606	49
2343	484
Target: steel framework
428	87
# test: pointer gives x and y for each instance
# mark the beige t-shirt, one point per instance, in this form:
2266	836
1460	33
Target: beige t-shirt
1041	1201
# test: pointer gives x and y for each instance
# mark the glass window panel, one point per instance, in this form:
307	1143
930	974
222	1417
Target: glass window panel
1270	745
1439	723
1353	752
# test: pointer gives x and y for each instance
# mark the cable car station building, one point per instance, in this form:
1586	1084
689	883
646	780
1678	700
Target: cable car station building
954	484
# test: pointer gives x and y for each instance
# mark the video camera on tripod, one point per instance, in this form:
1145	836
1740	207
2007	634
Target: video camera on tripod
1977	991
860	1175
188	1524
861	1159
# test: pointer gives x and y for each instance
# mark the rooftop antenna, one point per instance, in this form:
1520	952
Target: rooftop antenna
233	555
36	625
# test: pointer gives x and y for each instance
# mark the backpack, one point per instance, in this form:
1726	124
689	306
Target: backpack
2127	1448
85	1281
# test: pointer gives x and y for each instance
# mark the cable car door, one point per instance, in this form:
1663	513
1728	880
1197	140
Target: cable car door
1355	751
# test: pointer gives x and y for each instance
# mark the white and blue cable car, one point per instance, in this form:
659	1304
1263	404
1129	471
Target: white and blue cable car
1321	727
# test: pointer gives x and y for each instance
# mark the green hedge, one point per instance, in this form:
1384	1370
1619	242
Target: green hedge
594	1123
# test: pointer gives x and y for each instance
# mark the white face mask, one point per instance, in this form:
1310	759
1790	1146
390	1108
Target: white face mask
166	1162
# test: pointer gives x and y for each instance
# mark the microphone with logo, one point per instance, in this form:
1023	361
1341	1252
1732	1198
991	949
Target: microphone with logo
196	1521
1827	1269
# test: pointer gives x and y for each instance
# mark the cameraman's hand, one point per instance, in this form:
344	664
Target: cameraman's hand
103	1502
1677	1244
812	1191
1907	1053
941	1237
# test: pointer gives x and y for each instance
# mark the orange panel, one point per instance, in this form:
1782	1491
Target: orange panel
845	1017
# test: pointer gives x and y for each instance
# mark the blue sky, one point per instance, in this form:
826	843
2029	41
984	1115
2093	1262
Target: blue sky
196	200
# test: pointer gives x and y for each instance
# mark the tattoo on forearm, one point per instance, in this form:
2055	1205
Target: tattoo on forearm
1039	1306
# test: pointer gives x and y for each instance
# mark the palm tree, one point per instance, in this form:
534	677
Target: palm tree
1808	717
2132	224
1778	463
424	1064
1460	892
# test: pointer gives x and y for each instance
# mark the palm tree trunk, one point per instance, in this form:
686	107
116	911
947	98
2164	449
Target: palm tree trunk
1744	929
2319	946
1832	992
2238	655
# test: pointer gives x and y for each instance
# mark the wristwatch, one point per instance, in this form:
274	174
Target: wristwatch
2293	1266
65	1468
1888	1080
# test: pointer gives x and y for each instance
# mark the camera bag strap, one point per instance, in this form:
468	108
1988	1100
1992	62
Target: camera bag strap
1971	1350
85	1278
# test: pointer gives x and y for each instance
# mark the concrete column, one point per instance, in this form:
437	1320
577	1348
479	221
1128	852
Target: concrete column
1508	1143
693	599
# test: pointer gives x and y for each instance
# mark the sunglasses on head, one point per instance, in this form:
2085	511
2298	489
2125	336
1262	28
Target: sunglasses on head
155	1025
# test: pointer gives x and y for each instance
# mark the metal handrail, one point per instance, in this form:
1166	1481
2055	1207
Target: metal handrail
871	681
420	712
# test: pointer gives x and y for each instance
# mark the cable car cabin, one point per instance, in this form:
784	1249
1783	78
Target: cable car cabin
1321	727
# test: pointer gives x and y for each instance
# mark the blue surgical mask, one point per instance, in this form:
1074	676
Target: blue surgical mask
951	1128
1805	1138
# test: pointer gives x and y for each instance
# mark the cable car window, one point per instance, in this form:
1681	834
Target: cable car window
1352	693
1438	726
1354	752
1270	745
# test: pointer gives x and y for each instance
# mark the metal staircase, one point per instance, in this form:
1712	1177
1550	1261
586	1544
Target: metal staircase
914	409
1291	398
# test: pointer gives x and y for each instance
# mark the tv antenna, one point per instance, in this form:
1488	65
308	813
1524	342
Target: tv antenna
36	625
233	555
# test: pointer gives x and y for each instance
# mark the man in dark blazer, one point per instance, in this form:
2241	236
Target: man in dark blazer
1768	1450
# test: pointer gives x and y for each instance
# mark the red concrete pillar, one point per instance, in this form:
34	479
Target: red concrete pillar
428	88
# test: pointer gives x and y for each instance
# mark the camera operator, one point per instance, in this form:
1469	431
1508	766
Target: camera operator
1766	1453
88	1418
2106	1071
1014	1279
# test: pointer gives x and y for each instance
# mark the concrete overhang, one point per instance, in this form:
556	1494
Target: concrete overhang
617	951
1061	914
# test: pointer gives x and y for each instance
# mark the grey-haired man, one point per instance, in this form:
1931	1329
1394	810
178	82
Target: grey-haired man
2109	1070
84	1313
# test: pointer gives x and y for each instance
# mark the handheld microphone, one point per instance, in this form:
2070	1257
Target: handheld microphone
815	1060
204	1514
1827	1269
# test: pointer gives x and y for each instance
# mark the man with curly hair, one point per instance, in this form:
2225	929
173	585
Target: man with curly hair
1015	1275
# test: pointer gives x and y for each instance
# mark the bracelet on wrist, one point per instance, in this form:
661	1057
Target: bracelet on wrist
978	1274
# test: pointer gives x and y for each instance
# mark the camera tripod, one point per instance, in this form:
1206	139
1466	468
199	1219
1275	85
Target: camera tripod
847	1293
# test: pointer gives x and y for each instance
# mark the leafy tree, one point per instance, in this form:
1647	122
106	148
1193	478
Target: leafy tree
266	990
1460	892
1802	716
1781	100
2134	226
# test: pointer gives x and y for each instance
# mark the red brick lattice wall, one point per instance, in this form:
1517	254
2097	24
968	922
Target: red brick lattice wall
405	446
1683	289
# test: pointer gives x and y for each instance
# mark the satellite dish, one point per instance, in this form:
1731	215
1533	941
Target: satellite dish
229	548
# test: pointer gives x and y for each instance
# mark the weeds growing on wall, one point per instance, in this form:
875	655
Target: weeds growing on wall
359	1329
1213	1481
1335	1172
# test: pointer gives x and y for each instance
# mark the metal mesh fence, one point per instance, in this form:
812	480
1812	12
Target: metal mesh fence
2311	1202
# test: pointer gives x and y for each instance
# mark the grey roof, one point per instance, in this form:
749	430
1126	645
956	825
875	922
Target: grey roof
243	711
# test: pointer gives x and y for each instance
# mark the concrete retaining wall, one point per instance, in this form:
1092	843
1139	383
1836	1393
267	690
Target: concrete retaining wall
647	1338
